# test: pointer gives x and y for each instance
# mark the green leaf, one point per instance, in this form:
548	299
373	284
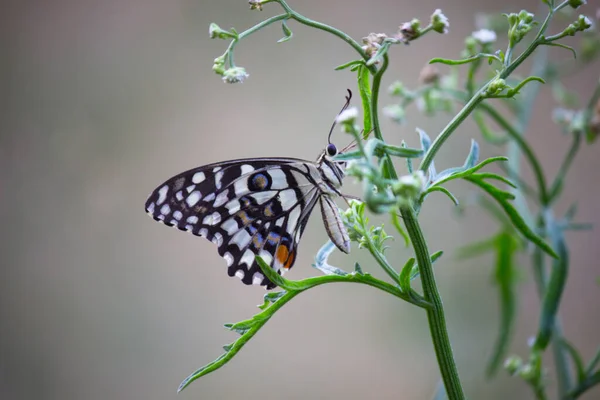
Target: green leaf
364	89
563	46
506	245
350	64
502	198
477	248
377	148
404	279
399	228
593	363
247	329
409	164
439	189
476	57
321	260
425	140
286	31
414	273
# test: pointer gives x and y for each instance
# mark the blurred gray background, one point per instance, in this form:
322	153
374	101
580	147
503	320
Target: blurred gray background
102	101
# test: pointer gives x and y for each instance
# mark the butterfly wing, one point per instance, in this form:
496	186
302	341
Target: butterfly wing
246	207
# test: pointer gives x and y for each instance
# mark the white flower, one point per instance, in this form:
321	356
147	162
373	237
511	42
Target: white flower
347	116
484	36
439	21
587	25
235	75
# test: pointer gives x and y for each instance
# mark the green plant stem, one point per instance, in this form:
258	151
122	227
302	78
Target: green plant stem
435	315
451	127
318	25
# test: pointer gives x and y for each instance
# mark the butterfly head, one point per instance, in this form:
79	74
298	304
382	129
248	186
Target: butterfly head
332	170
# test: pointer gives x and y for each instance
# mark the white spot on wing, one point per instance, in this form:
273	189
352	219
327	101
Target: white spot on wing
279	180
221	198
177	214
247	258
263	197
192	219
288	199
189	227
217	239
233	206
193	198
228	259
230	226
210	197
246	168
279	222
190	188
165	209
203	232
198	177
216	169
258	278
266	256
151	208
179	195
218	177
240	274
162	194
293	218
241	239
212	219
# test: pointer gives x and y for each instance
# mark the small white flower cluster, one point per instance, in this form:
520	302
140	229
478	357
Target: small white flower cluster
484	36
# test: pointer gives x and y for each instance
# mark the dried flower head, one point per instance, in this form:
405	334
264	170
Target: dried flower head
373	42
429	74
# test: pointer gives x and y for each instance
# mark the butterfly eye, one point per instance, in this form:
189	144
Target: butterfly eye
331	149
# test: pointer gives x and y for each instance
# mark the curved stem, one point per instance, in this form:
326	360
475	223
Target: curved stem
435	315
451	127
315	24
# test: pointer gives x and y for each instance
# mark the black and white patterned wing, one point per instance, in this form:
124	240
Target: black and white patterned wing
246	207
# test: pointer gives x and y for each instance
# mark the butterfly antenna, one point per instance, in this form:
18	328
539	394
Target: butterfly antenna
348	98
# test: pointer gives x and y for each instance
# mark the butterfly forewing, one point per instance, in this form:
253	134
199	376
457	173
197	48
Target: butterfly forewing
246	207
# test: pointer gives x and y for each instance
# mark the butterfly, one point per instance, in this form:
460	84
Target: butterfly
255	206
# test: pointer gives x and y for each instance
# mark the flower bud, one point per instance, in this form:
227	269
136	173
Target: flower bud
235	75
439	22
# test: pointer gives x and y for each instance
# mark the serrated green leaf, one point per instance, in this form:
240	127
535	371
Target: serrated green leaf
502	198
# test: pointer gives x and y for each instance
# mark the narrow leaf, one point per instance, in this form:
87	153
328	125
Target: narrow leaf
575	358
349	64
439	189
502	198
286	31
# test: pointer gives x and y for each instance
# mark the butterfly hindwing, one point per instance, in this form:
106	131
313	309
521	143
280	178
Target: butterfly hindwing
246	207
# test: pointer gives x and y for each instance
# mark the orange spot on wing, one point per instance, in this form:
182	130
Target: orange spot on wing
290	260
282	254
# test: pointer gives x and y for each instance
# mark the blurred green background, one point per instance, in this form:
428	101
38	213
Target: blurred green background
102	101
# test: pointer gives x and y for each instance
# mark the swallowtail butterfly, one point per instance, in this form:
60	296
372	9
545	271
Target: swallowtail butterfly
255	206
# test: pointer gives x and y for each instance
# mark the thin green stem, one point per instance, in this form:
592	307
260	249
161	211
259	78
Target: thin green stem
318	25
435	315
451	127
